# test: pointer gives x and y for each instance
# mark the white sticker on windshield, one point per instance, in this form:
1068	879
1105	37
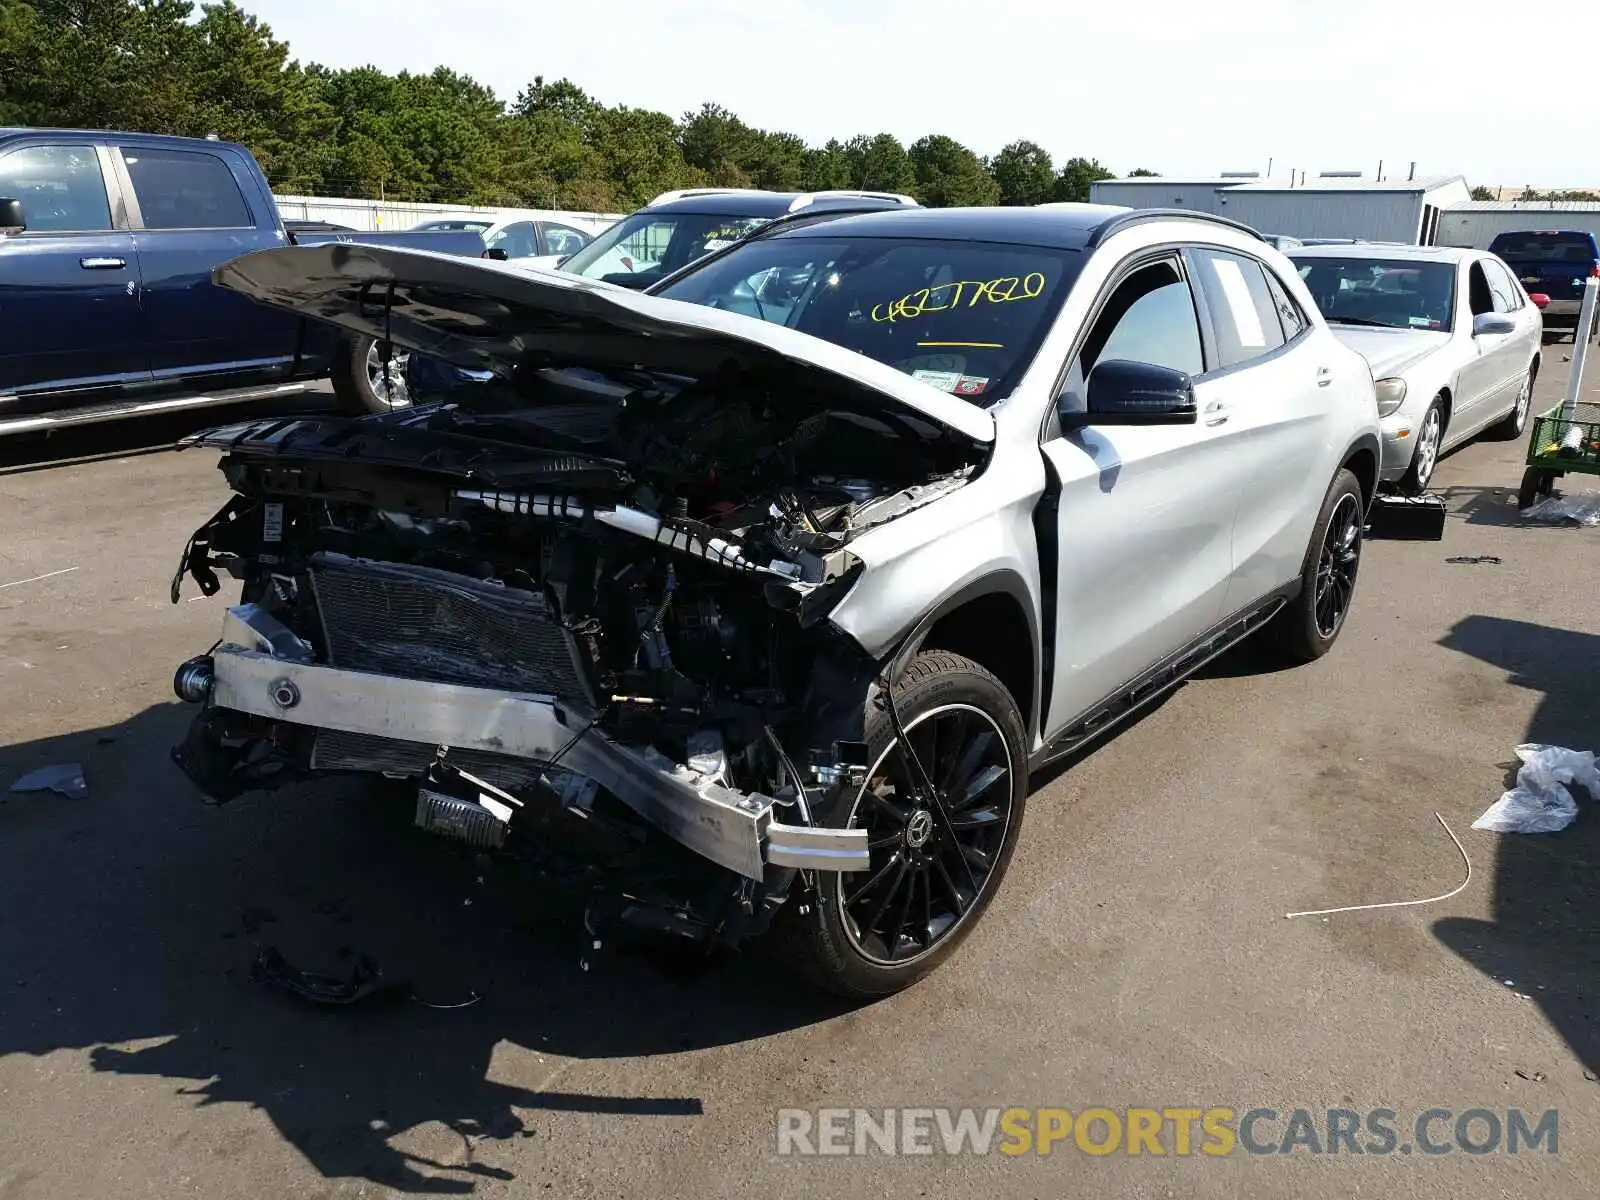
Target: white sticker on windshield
1246	320
1420	322
945	381
717	244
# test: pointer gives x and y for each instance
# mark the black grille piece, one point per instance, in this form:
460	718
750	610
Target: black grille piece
419	623
337	751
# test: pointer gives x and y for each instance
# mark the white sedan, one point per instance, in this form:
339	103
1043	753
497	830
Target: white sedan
1452	339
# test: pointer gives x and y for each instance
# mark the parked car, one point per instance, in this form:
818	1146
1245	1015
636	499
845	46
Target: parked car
678	227
805	584
457	224
537	244
1556	263
1452	339
1281	241
107	243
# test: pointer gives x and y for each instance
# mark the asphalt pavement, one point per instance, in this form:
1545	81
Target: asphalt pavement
1137	954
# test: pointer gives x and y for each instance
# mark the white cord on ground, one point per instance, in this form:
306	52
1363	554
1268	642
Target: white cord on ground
1324	912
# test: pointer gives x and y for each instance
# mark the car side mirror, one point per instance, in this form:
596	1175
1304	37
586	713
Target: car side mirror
11	218
1492	324
497	253
1135	393
1540	300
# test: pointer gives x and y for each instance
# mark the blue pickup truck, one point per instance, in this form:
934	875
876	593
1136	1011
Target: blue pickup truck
107	309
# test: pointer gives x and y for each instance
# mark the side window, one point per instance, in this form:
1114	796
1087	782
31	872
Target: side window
60	188
1149	318
1243	313
1290	314
560	239
1507	295
183	189
1478	291
515	239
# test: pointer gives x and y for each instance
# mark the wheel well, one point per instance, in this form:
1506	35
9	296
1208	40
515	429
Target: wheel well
1363	464
1446	401
992	631
1533	371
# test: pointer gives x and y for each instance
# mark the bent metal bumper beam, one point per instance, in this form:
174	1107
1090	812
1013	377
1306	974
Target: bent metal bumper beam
263	669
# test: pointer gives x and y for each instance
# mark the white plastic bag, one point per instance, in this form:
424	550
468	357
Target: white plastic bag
1580	509
1541	801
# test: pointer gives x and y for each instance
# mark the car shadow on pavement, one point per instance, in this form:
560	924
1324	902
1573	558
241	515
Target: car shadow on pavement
136	915
1544	940
1496	506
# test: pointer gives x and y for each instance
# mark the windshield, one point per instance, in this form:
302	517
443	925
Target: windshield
639	250
1575	248
964	317
1397	293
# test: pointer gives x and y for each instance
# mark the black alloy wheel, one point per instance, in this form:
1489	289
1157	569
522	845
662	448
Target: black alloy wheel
933	857
1337	563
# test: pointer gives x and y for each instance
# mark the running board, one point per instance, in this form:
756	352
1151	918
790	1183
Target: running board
1157	682
94	413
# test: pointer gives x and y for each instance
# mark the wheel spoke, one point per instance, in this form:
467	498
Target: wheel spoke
849	901
903	913
978	785
899	814
967	765
976	857
976	818
902	868
950	888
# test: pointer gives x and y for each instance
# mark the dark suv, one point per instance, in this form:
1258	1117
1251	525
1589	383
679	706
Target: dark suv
678	227
1555	262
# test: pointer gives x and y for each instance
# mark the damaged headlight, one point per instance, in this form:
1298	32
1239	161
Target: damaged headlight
1391	395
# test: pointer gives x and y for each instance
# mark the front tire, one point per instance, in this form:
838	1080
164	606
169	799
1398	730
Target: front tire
1510	428
1425	454
1307	628
359	379
936	867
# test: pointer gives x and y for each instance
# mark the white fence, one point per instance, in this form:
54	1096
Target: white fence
369	216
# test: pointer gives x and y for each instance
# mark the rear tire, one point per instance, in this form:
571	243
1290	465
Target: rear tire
358	377
1307	629
869	934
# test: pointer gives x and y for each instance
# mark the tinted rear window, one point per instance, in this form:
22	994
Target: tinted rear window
1545	247
964	317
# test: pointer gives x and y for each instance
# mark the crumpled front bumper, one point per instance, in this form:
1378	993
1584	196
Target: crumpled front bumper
263	669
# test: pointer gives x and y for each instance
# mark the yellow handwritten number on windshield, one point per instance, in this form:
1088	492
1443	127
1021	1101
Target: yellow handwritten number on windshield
965	293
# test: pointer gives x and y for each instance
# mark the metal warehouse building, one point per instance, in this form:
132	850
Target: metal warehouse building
1476	222
1390	210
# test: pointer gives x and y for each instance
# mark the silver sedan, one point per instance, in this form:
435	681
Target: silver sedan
1451	337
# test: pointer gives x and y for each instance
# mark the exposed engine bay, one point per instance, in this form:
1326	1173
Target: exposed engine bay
576	589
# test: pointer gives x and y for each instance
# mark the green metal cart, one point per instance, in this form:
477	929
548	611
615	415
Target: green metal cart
1564	440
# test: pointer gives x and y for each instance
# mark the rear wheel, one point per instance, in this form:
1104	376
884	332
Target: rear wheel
361	381
1536	486
1307	628
936	861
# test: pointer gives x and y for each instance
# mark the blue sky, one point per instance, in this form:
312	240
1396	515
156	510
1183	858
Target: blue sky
1179	86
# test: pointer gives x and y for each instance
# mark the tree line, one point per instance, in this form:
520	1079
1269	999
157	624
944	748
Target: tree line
154	66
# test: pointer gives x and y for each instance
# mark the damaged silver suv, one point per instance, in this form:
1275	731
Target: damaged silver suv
784	578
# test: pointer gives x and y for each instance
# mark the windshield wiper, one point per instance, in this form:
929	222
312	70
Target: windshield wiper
1362	321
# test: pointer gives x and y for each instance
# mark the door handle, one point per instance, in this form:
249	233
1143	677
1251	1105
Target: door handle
1216	413
1324	376
102	264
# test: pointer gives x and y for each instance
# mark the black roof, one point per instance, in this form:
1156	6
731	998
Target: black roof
1077	228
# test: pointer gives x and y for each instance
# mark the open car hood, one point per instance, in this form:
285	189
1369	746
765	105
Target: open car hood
485	315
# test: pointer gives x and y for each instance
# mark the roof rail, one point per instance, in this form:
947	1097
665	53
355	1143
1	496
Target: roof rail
1139	216
689	193
807	198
